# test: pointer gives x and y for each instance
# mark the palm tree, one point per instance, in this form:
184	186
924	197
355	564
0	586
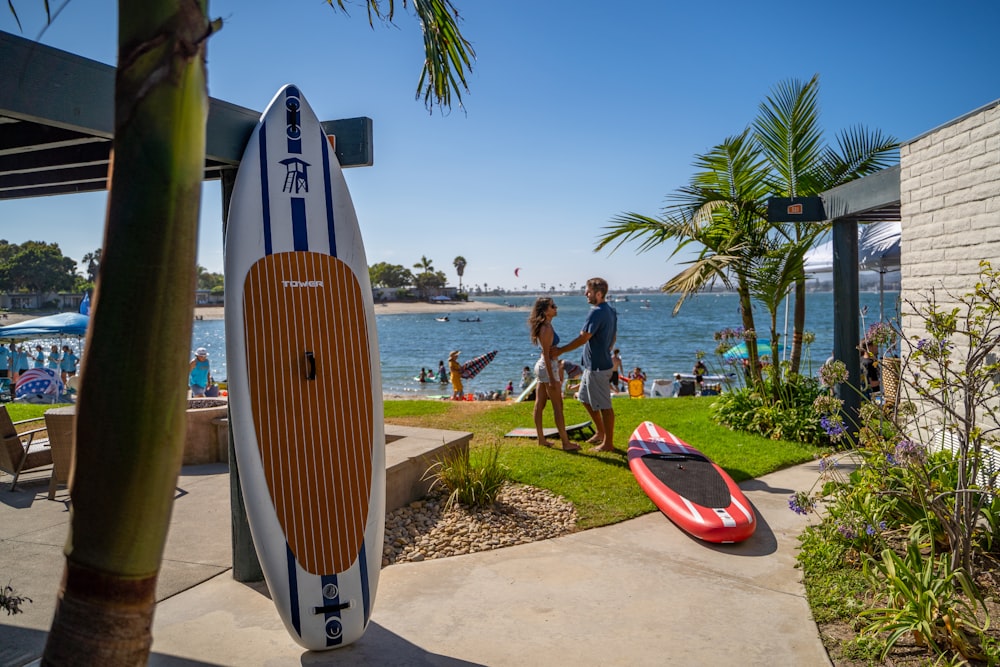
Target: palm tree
721	214
129	450
459	264
801	165
425	265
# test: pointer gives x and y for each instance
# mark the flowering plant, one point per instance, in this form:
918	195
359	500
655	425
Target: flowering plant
880	334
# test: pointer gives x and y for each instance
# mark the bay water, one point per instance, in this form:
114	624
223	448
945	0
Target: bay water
649	336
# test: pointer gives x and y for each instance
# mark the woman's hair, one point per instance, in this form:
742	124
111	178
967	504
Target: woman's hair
537	317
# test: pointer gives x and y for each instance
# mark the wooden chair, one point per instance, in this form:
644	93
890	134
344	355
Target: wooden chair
21	447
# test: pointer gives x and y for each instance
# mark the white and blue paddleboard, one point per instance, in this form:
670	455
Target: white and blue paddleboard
305	392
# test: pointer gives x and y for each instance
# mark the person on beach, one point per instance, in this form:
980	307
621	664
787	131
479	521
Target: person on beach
525	377
442	372
600	330
548	372
870	370
457	392
616	370
54	359
5	369
699	374
200	374
67	365
21	361
39	357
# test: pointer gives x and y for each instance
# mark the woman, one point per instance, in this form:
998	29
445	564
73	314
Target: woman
457	392
200	375
67	365
54	359
547	372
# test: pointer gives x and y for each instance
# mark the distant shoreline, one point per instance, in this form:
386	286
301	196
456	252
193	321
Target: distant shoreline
393	308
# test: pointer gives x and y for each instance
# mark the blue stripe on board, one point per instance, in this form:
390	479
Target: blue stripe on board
331	230
265	204
293	590
365	592
300	230
332	616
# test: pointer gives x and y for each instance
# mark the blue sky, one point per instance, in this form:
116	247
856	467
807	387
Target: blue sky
577	111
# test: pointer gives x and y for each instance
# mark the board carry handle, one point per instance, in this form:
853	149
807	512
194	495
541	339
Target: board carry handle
310	366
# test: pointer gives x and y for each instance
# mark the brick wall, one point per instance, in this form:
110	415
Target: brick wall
950	197
950	200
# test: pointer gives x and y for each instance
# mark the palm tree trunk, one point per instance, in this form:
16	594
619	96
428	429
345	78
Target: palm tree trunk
746	313
798	325
130	416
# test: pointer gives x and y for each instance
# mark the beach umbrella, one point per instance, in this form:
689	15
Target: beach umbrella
39	382
737	352
470	369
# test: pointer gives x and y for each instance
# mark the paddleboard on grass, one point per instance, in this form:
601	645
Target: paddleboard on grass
305	392
695	493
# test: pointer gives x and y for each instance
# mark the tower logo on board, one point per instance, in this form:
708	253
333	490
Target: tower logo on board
296	175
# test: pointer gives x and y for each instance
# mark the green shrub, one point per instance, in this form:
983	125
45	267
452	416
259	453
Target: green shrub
782	412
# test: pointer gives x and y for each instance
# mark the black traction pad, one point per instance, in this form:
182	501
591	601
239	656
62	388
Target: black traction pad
693	478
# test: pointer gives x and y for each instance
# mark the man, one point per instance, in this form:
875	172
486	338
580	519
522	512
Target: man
599	333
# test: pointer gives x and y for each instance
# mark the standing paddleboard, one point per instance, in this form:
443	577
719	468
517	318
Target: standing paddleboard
305	393
688	487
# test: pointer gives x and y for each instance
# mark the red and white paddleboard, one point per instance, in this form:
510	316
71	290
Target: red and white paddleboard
694	492
305	393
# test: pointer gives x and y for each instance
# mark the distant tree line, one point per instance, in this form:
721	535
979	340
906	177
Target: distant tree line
426	277
39	267
35	266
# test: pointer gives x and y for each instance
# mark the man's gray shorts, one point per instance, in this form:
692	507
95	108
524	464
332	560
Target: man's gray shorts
595	389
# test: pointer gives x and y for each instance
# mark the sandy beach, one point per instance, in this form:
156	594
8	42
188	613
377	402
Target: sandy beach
389	308
393	308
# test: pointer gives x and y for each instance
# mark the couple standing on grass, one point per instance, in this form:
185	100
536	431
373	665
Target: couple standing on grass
598	336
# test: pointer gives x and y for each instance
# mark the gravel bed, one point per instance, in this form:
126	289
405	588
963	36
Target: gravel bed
424	529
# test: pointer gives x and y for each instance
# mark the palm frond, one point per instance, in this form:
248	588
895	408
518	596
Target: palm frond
788	131
859	152
448	53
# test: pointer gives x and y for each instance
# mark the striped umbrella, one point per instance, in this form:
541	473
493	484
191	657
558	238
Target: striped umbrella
470	369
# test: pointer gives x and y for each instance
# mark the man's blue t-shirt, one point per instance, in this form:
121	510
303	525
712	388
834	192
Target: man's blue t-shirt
602	324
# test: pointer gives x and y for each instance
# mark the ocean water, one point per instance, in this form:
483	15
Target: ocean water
649	337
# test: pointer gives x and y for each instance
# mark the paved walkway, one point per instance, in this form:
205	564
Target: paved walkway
637	593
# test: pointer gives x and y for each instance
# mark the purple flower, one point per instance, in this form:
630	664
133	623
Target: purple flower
910	453
800	503
846	532
833	426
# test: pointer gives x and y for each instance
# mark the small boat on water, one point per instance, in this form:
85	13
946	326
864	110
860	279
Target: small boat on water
470	319
442	319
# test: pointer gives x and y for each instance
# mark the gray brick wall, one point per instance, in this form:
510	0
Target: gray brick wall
950	198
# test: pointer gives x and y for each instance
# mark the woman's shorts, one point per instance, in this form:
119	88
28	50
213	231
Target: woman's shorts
541	372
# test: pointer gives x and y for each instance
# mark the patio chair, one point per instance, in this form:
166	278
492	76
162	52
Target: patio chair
21	447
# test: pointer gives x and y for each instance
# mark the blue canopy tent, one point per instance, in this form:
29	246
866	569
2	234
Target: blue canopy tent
61	324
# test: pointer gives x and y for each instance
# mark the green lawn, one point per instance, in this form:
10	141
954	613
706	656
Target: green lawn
600	485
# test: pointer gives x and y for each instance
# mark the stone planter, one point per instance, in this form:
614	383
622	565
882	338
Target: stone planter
201	440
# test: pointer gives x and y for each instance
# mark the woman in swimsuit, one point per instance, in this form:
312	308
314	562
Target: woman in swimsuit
548	373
